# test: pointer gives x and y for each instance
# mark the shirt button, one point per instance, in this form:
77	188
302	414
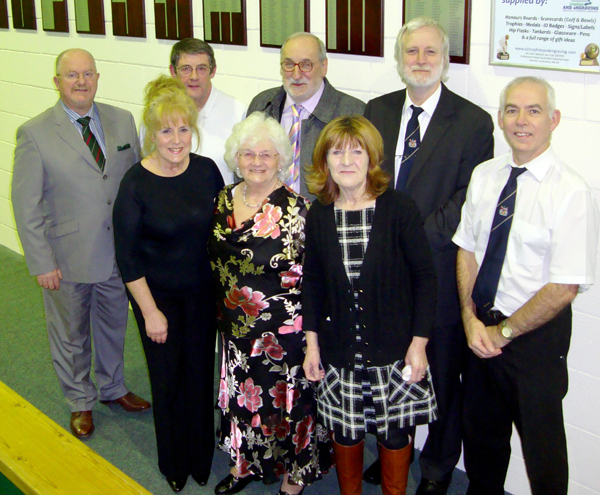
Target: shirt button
108	228
109	201
105	177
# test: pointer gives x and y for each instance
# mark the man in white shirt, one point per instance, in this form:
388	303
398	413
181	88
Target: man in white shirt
193	63
527	245
454	136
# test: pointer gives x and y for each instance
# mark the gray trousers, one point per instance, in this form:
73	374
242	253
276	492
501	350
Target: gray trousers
75	314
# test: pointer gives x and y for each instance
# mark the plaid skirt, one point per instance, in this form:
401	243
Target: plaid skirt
374	400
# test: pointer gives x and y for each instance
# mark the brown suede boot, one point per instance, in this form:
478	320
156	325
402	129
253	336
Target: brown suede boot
349	467
394	469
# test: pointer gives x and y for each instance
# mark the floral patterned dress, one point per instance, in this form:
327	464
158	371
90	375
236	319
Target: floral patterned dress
263	392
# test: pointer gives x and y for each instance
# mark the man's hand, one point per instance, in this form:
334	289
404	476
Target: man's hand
485	342
50	280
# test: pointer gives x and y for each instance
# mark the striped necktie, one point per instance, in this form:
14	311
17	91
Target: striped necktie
295	141
412	141
92	142
486	284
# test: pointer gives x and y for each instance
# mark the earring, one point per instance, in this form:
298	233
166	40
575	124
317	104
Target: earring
238	172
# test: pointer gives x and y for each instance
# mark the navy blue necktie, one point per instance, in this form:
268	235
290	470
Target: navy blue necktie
412	141
486	285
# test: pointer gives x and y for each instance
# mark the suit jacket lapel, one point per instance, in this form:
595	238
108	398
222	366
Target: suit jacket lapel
391	131
67	132
440	121
108	128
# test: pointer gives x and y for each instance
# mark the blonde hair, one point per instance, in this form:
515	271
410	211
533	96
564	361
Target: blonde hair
165	101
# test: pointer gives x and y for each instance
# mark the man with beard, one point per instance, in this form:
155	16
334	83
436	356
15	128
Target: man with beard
306	102
433	139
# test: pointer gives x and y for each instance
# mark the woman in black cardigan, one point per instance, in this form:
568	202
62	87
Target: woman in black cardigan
368	304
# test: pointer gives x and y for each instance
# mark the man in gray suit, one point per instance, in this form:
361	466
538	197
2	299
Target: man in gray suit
305	90
69	162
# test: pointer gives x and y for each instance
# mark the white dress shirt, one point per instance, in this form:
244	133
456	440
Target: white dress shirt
215	121
428	107
554	232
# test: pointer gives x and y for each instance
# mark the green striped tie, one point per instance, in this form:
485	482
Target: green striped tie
92	142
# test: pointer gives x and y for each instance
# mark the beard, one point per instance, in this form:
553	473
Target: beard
422	80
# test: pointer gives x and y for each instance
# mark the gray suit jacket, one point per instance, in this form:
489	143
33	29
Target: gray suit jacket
62	201
333	104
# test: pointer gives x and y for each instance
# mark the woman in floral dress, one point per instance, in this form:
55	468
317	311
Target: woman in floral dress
256	251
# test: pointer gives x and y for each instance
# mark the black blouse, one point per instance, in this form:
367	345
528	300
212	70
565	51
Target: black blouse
162	225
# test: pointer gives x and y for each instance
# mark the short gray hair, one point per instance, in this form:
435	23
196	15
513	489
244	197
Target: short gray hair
66	52
254	128
301	34
550	94
410	27
192	46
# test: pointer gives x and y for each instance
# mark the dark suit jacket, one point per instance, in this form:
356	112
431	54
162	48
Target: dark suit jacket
458	138
333	104
396	287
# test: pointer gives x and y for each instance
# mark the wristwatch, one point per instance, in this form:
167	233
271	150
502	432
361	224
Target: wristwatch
507	332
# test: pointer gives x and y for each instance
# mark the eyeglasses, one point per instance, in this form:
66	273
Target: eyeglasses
202	70
289	66
88	75
249	156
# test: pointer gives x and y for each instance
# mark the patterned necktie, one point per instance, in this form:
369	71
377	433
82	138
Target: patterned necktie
92	142
295	140
412	141
486	285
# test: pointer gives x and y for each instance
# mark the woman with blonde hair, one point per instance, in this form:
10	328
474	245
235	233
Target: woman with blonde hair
162	220
368	305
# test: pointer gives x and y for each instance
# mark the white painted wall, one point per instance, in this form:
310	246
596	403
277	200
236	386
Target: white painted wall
126	65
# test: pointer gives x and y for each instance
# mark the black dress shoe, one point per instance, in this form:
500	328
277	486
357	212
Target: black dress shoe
176	484
233	484
373	473
202	481
431	487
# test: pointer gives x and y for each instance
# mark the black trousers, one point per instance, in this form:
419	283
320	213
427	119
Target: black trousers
525	385
447	353
181	376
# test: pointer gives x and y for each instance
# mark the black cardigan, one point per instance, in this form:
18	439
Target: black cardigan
397	285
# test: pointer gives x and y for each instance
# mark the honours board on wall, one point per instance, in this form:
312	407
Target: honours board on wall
546	34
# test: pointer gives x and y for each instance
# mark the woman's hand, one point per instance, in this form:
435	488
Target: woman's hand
417	358
312	360
156	326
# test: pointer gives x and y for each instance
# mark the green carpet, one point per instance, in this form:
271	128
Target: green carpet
126	440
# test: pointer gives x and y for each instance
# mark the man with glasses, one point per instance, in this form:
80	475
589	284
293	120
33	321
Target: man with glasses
193	63
306	102
433	139
69	162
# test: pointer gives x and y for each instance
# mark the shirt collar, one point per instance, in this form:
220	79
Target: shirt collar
428	106
539	166
310	104
73	115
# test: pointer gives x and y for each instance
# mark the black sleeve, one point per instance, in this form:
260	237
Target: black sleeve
418	258
313	289
127	224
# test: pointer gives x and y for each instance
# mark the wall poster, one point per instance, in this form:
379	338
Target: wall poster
173	19
225	21
355	26
89	17
54	16
453	15
280	18
543	34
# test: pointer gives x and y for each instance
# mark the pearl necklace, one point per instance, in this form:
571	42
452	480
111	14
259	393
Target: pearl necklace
259	205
